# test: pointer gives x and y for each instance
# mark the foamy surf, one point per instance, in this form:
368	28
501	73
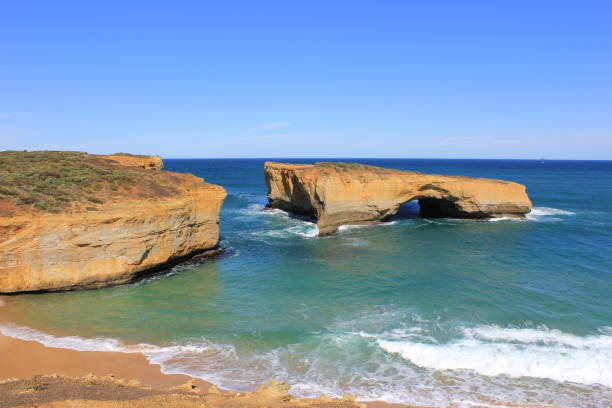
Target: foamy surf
308	368
544	213
258	209
65	342
306	230
537	214
351	227
515	352
284	225
162	355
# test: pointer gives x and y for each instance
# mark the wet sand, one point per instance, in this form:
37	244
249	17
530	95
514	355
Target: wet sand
22	359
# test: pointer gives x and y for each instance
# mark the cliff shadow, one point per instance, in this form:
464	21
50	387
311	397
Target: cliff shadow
427	207
408	210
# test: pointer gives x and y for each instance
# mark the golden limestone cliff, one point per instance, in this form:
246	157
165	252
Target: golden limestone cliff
70	220
136	160
338	194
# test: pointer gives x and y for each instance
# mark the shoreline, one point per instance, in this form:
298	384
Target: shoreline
24	359
27	358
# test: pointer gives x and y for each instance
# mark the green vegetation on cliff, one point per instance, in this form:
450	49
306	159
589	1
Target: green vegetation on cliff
342	167
56	181
140	156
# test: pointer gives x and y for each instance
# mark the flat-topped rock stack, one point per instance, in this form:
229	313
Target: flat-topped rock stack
338	194
71	220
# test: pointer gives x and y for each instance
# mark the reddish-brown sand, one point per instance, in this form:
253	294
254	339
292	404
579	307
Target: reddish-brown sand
23	359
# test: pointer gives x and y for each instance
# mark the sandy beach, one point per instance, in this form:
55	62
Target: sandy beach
22	360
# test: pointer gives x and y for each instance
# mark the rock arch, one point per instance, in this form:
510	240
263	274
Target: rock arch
348	193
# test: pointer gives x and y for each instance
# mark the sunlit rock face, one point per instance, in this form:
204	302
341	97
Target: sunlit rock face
157	220
349	193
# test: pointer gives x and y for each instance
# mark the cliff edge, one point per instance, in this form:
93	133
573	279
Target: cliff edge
71	220
350	193
136	160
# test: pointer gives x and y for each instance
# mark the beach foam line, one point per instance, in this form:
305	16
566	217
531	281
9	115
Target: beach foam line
220	364
170	358
516	352
65	342
93	344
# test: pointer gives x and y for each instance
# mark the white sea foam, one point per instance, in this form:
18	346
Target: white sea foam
290	227
545	214
298	226
539	211
497	219
304	229
516	352
294	226
344	228
537	214
156	354
258	210
367	370
101	343
66	342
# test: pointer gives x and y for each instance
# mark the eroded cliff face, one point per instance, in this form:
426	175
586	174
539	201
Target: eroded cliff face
129	232
339	194
145	162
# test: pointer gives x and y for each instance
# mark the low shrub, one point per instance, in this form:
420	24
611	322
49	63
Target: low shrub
33	384
56	181
340	166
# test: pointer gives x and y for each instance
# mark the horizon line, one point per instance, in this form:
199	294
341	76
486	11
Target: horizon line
373	158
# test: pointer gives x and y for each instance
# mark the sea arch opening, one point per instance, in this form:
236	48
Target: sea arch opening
428	207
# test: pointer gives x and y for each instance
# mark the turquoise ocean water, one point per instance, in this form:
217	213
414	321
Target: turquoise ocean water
412	311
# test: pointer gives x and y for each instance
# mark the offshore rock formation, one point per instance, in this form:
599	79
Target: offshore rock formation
155	219
348	193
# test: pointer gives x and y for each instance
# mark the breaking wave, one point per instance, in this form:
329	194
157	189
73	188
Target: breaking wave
277	223
344	228
545	214
516	352
488	361
539	213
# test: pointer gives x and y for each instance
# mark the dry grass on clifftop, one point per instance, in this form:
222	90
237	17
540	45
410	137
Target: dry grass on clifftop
344	167
60	181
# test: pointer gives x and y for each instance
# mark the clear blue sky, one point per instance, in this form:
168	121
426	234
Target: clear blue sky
457	79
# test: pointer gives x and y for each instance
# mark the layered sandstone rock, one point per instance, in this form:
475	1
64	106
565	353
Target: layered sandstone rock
347	193
126	231
131	160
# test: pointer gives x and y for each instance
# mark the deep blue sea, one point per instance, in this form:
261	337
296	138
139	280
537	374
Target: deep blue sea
413	311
